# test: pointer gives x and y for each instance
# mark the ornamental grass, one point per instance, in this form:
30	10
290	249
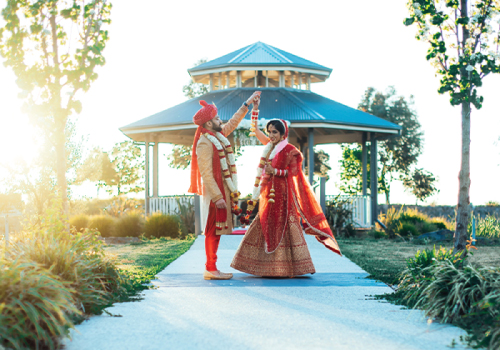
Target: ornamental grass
453	290
57	278
35	306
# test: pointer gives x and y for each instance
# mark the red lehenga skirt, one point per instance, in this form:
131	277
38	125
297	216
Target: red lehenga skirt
291	258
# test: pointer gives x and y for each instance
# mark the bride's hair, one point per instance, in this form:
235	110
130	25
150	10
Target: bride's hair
278	124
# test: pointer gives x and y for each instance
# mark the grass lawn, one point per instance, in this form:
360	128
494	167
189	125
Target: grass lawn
142	261
385	259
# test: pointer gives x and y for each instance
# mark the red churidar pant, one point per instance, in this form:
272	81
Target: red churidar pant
211	240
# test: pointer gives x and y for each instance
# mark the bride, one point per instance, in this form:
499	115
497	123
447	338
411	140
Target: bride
274	244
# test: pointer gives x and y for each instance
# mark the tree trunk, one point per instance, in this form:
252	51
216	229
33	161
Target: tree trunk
62	183
462	219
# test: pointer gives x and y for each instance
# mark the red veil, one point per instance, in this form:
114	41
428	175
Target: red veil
293	193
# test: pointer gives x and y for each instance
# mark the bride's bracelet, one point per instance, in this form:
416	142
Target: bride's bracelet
281	172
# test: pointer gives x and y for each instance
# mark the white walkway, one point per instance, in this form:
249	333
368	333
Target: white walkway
329	310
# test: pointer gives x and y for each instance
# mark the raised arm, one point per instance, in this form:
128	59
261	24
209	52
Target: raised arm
232	124
258	133
261	136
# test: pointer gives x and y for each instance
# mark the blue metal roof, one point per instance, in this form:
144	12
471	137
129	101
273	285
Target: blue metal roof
285	103
259	54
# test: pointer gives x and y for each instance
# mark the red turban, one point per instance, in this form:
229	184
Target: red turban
205	113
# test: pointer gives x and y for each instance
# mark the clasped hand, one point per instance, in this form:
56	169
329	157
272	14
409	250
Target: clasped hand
268	169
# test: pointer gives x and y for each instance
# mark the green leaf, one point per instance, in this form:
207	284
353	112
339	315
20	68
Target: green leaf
463	20
409	21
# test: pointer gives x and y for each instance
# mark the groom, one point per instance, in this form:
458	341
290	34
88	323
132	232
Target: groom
213	161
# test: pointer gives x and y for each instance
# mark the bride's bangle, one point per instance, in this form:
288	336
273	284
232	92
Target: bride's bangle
280	172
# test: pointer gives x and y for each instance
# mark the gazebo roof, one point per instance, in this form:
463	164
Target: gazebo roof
259	54
333	122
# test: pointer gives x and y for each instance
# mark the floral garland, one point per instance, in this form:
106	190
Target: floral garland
257	186
230	176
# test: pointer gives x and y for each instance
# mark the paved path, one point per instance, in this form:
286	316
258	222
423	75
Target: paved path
330	310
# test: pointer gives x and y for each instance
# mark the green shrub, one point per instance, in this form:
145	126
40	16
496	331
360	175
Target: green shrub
129	225
377	234
413	216
424	227
407	229
161	225
104	224
391	221
339	217
79	222
35	306
186	214
441	223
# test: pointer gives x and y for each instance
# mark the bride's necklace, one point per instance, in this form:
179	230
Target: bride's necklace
257	186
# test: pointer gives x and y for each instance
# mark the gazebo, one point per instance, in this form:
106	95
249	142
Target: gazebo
285	81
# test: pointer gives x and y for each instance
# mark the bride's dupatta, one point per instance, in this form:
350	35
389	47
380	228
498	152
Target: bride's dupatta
293	193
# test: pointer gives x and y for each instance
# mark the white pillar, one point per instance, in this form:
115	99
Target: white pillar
282	79
228	81
155	169
211	82
146	176
267	78
238	78
309	82
300	81
220	82
293	79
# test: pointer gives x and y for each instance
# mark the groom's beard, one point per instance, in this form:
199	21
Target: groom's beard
218	128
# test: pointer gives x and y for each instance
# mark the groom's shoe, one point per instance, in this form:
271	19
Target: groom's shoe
222	276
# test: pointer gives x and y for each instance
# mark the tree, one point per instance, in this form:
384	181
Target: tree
463	49
128	164
53	47
96	168
397	156
37	179
192	89
421	184
321	164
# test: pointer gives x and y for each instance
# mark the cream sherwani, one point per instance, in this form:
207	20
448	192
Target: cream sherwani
211	192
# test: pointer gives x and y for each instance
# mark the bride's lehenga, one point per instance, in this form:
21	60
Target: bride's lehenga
274	244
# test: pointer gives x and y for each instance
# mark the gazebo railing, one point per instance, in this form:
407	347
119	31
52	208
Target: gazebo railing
168	204
360	207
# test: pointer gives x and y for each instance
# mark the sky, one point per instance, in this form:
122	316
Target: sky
153	43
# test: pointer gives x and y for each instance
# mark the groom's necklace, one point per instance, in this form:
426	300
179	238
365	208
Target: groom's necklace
230	176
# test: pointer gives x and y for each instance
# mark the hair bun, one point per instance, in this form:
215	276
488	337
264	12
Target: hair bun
203	103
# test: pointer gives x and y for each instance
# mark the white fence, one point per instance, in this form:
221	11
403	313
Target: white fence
169	204
360	207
